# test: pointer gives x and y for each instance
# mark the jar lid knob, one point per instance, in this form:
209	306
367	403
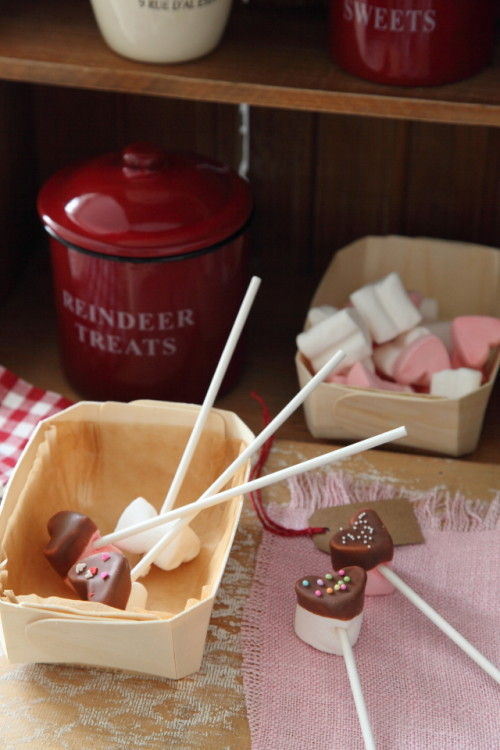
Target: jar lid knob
142	159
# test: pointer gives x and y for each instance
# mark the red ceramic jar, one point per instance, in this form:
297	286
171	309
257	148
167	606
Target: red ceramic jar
149	266
412	42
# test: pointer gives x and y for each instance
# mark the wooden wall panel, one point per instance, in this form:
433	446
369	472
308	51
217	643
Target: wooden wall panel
17	181
281	174
320	181
73	124
448	194
360	181
490	219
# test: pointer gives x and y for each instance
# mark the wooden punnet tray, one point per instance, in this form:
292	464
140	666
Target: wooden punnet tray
465	279
95	458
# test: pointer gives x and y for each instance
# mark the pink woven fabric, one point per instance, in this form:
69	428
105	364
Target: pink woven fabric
422	691
22	406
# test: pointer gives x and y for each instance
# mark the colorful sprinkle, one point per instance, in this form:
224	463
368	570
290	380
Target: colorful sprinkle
337	586
104	575
329	590
105	556
343	587
89	574
347	579
320	582
329	577
80	567
318	593
342	572
305	582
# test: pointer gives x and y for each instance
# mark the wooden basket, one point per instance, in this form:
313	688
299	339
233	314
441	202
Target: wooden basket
465	279
95	458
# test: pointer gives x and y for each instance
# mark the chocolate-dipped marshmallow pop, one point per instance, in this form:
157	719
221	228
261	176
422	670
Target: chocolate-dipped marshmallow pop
95	543
328	617
367	543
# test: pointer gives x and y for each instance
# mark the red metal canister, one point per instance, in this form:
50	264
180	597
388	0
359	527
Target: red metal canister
412	42
149	265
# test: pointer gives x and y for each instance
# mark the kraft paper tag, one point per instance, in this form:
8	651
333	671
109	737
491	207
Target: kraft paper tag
397	515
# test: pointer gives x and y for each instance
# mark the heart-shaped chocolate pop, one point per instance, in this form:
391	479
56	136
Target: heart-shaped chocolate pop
70	533
366	542
95	575
340	595
102	577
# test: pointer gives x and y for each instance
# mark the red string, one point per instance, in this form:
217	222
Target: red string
256	495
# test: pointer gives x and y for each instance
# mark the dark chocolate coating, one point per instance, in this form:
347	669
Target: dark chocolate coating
366	542
70	533
342	605
102	577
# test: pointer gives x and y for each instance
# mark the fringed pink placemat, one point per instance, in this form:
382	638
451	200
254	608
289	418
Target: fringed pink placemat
422	691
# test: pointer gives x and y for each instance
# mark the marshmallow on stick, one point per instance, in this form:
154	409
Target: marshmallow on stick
73	549
143	565
328	617
367	542
186	545
327	603
188	511
371	548
95	575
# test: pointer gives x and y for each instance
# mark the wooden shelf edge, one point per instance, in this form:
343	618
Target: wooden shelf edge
266	58
259	95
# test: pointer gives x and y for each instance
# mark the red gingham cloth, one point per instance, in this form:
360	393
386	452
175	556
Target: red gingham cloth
22	406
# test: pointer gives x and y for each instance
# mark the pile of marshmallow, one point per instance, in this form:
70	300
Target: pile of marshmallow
394	341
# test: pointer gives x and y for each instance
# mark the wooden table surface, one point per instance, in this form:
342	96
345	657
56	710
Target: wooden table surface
206	710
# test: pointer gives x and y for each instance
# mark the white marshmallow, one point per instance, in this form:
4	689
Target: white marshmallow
442	329
342	330
455	383
321	632
135	512
386	308
317	314
185	545
385	355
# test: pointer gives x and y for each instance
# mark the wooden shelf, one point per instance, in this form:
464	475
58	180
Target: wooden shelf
268	57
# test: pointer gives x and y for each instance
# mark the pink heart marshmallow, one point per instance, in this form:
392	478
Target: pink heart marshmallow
420	359
359	375
472	337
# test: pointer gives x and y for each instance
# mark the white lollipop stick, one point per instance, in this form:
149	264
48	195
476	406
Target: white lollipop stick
266	433
277	476
211	394
143	564
440	622
357	693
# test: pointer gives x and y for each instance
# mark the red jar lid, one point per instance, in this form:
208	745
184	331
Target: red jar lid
144	202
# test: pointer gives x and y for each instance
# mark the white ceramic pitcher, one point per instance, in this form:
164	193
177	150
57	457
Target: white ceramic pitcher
162	31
